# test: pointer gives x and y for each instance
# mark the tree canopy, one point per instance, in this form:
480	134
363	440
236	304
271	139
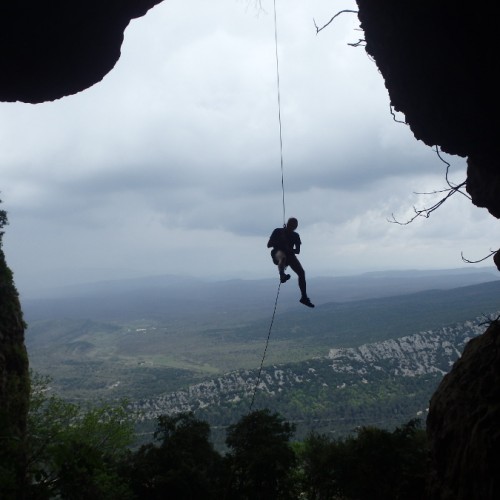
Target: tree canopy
3	222
80	453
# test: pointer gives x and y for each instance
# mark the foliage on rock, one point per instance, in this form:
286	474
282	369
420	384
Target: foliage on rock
14	381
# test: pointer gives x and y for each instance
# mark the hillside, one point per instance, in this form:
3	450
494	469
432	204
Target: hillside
138	356
384	383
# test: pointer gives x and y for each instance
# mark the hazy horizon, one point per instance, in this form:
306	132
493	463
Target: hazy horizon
99	276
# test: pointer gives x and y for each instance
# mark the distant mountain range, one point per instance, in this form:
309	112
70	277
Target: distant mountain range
178	297
373	350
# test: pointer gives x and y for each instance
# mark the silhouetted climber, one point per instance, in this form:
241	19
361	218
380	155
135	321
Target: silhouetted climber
286	245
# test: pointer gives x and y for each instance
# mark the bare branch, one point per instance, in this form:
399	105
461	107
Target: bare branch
360	43
492	252
318	29
425	212
257	5
489	320
450	190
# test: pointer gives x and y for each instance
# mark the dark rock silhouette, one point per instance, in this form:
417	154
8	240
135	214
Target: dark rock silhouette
437	62
14	385
496	259
462	425
51	49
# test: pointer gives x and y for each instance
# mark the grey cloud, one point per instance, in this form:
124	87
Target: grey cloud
180	143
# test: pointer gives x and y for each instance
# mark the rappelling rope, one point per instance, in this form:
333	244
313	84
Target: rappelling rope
257	382
279	108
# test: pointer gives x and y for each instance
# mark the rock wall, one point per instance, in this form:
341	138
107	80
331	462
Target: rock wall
14	386
438	60
462	425
53	48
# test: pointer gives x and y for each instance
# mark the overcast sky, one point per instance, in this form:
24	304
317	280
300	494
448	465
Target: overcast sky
171	164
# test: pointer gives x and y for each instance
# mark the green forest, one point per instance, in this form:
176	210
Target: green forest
72	452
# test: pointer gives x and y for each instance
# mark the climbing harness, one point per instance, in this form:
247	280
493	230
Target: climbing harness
257	382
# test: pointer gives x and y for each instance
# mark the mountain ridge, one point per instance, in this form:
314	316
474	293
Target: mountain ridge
327	382
175	296
87	356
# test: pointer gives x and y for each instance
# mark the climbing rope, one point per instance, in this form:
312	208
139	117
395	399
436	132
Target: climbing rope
257	382
278	93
